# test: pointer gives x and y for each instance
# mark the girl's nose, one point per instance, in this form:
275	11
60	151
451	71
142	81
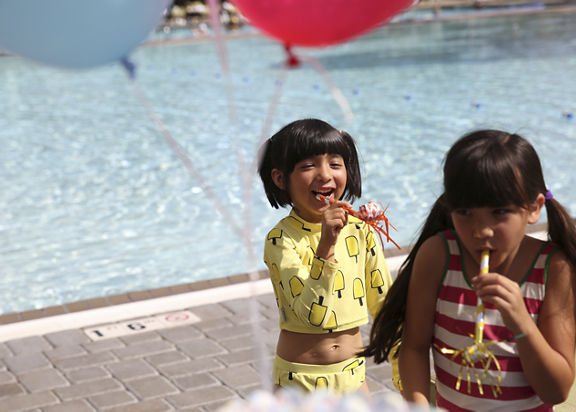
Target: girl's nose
481	229
324	172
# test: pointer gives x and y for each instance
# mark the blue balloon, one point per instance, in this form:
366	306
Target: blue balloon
77	33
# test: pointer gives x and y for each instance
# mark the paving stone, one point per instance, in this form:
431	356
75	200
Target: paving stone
180	334
87	374
211	311
206	365
113	399
175	370
238	344
392	396
201	348
26	362
104	345
198	397
267	299
144	349
389	386
10	389
5	351
29	345
167	358
238	376
152	387
242	308
272	316
380	372
137	338
29	401
246	391
198	380
153	405
79	405
130	369
45	379
210	324
375	386
63	352
86	389
83	361
67	338
6	377
230	332
239	357
216	406
271	325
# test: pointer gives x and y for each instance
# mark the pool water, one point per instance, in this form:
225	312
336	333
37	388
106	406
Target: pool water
95	203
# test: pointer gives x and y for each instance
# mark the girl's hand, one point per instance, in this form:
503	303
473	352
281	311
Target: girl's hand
334	218
506	296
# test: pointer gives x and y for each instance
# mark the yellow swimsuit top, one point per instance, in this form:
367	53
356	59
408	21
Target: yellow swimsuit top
318	296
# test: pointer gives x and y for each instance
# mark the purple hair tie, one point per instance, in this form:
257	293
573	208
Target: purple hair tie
548	195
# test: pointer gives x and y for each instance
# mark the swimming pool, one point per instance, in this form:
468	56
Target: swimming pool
95	203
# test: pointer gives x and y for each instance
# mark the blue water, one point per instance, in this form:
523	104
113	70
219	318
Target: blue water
94	202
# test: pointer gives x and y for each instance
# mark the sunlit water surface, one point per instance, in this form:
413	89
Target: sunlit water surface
94	202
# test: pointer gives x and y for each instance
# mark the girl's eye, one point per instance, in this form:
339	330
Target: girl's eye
337	161
462	212
501	211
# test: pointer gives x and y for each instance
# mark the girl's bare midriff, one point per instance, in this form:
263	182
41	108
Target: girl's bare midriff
319	349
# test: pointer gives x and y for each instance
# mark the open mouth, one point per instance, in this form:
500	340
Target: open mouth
326	195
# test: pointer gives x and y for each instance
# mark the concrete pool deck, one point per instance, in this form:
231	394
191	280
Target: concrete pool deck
192	351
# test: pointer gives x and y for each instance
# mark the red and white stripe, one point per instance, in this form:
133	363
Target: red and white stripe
454	327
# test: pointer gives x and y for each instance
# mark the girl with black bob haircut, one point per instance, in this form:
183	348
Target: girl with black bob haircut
299	140
493	188
327	269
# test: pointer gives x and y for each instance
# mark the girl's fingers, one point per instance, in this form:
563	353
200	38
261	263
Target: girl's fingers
489	279
501	292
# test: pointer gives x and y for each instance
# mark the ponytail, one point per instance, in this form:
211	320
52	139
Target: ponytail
561	229
389	323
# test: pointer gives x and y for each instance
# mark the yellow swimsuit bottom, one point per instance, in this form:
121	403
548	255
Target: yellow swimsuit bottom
342	377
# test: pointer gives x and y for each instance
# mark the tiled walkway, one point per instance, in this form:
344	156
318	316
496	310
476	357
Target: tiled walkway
196	367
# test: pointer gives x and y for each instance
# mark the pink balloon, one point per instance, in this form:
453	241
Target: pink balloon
318	22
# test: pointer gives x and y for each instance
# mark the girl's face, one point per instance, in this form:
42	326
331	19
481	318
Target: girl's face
321	174
498	229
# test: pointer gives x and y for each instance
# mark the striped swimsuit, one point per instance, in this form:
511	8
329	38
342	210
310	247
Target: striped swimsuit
454	324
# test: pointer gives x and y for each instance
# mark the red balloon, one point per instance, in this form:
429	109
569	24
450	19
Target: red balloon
318	22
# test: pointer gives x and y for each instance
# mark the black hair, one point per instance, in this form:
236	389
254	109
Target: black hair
486	168
302	139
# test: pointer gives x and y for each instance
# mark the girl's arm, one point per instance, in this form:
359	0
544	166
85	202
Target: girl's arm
306	280
418	334
547	349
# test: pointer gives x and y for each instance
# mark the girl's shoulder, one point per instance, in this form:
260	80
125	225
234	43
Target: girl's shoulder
432	256
437	243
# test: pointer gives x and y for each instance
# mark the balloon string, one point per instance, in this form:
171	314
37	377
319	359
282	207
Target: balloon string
271	110
177	148
214	11
335	90
246	182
